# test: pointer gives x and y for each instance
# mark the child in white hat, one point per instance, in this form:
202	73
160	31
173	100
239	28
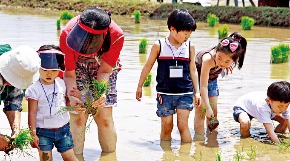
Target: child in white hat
17	69
45	98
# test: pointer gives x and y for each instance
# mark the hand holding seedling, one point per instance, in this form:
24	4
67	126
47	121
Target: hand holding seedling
100	103
75	92
209	113
75	102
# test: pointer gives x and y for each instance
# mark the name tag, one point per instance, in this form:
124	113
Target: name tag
175	71
51	122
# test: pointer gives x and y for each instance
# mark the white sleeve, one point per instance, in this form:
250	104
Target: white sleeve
32	93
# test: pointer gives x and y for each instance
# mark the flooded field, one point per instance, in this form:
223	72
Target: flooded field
138	127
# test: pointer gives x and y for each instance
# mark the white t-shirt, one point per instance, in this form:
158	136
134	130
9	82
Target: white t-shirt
47	96
255	104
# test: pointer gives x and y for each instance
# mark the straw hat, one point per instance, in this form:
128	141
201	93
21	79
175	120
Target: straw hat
20	66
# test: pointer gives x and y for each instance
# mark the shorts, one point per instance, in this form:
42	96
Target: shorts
167	104
238	111
213	89
60	138
12	98
88	71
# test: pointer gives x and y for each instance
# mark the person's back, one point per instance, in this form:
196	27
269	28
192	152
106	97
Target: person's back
265	108
176	75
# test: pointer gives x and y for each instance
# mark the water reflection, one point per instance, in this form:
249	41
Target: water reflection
137	125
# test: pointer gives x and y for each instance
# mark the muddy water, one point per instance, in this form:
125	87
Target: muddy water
137	125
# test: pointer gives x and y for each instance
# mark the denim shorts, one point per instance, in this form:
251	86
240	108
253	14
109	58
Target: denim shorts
60	138
167	104
213	89
238	111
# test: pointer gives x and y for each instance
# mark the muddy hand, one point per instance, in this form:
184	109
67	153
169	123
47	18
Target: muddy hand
100	103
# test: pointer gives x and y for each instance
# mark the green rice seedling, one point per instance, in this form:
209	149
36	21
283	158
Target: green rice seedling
58	24
148	80
212	20
66	15
252	153
223	31
247	22
20	142
143	46
93	91
280	53
284	146
219	157
239	156
137	16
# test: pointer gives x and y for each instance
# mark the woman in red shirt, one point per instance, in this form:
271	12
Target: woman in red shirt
92	43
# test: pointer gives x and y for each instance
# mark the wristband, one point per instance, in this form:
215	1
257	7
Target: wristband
197	94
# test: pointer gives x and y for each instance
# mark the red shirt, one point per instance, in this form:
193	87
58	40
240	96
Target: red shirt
111	57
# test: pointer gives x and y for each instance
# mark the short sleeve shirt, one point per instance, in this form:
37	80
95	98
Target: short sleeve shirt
254	103
45	95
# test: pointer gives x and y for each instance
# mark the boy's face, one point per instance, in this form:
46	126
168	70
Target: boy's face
181	36
277	106
48	76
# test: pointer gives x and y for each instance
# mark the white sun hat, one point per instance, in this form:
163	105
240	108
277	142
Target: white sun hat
20	66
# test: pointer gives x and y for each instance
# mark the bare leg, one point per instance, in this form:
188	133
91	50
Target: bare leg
166	128
78	129
245	124
45	155
106	129
282	127
14	118
69	155
182	124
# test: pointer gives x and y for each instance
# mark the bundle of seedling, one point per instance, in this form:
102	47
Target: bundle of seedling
20	142
92	92
213	124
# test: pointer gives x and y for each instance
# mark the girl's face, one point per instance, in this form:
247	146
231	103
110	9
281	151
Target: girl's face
223	60
48	76
182	36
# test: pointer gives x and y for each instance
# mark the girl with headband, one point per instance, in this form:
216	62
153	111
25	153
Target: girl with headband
229	52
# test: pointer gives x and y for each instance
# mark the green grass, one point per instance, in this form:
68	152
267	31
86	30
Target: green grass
223	31
280	53
212	20
143	46
247	22
148	80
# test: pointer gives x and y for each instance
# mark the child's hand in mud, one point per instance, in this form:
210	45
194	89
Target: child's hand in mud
100	103
209	113
139	93
75	92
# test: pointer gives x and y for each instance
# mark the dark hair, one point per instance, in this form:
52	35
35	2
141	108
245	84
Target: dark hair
279	91
59	58
181	20
239	54
98	19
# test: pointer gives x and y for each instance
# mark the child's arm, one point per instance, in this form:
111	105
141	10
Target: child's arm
204	76
194	76
147	68
270	131
32	109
